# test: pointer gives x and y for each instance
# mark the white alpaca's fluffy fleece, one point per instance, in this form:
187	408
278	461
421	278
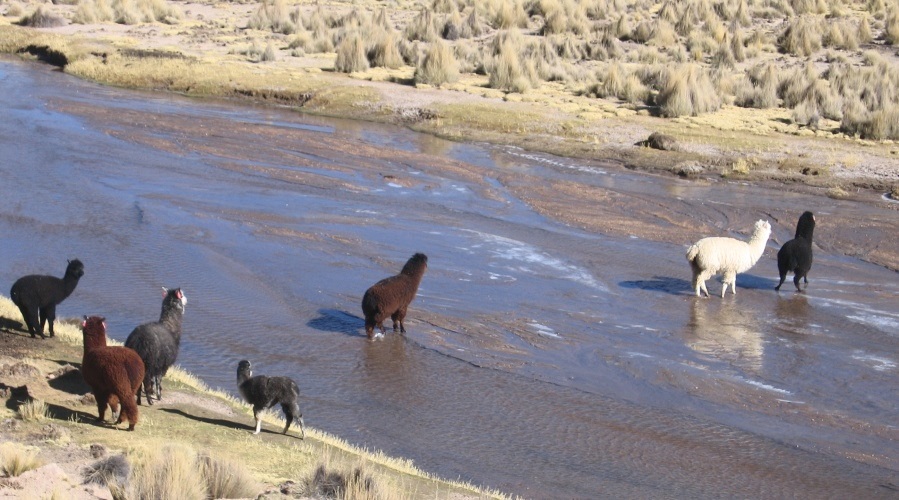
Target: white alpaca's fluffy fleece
729	256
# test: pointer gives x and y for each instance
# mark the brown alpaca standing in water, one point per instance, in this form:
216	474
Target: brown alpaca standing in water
390	297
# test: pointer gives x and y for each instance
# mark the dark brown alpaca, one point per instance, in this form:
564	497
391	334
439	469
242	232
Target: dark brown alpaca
390	297
114	373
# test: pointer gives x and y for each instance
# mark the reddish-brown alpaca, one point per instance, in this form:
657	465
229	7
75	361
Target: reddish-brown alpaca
114	373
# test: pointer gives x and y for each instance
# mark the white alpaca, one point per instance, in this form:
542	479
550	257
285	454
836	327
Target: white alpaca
710	256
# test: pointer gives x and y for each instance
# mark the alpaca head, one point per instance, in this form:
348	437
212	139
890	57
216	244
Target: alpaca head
244	371
93	329
75	269
762	229
416	265
173	299
806	225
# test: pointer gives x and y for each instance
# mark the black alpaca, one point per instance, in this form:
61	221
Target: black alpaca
390	297
796	255
157	343
38	295
264	392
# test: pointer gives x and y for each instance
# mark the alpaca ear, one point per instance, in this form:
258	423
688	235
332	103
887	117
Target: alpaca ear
84	323
165	291
179	294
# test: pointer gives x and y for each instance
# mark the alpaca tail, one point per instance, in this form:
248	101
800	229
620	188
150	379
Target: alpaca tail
692	252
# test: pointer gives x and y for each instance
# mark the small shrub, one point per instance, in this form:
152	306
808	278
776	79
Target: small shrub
687	91
423	27
43	18
802	37
891	28
472	27
326	483
17	459
510	14
269	53
438	67
385	52
110	470
169	471
227	478
33	410
351	56
507	72
273	15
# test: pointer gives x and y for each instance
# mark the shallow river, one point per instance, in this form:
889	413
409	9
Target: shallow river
541	359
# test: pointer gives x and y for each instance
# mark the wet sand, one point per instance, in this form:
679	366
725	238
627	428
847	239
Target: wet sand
555	348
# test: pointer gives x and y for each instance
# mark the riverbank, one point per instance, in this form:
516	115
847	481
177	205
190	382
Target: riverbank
206	54
49	425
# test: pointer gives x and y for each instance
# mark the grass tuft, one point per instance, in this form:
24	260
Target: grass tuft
438	66
33	410
17	459
42	17
351	55
687	91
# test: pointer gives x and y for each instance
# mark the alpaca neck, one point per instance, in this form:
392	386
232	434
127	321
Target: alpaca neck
171	317
757	246
806	233
69	282
94	340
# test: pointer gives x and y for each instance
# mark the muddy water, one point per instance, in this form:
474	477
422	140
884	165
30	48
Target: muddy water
542	358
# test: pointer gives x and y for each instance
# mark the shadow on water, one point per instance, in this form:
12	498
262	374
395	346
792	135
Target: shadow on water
753	282
672	286
334	320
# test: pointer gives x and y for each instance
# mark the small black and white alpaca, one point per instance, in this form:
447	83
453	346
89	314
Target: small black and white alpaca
264	392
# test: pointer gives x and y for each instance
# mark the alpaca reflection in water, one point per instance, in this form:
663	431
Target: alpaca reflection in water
725	331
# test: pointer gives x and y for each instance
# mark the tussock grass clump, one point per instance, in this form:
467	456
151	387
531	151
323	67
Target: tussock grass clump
351	55
169	471
93	11
348	484
111	470
33	410
891	27
385	52
506	69
438	66
883	124
145	11
472	27
616	81
43	17
273	15
761	89
841	34
687	91
802	37
17	459
795	84
507	14
227	478
423	27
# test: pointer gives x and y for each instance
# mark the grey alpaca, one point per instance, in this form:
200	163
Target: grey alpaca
37	296
390	297
265	392
157	343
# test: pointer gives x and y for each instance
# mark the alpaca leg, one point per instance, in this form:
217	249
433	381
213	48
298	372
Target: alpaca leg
32	320
796	280
102	400
292	414
129	411
157	381
729	279
256	411
396	320
700	283
402	315
783	277
48	314
116	407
